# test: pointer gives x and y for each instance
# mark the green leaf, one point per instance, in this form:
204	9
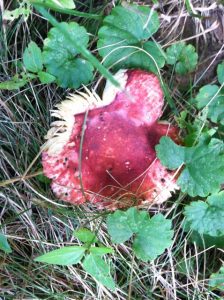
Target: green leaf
153	235
82	49
153	238
4	245
85	235
72	74
136	219
46	77
203	170
122	224
170	154
118	227
13	84
206	93
209	96
183	57
173	53
60	56
65	256
216	281
149	57
187	61
220	73
122	39
203	241
206	217
96	267
32	58
100	250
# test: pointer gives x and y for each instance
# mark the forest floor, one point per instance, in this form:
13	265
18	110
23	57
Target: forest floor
34	221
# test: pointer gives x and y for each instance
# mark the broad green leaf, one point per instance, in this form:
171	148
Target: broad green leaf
133	22
4	245
154	59
123	35
187	61
203	171
82	49
136	219
206	93
149	57
96	267
85	235
65	256
100	250
209	96
118	227
220	73
72	74
216	281
183	57
170	154
60	56
46	77
173	53
32	58
13	84
206	217
153	238
122	224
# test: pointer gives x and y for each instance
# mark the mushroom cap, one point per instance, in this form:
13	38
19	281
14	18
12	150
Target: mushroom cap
103	151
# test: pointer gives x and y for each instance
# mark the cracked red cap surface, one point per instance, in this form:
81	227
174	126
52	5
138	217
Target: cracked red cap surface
117	165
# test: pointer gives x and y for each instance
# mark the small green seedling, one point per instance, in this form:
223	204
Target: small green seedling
90	257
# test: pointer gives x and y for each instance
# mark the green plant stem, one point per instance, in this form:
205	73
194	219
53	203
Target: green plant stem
85	52
168	97
66	10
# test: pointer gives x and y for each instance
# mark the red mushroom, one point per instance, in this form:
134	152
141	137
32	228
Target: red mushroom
117	136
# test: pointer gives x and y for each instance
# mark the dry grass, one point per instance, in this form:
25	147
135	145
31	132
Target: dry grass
35	222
